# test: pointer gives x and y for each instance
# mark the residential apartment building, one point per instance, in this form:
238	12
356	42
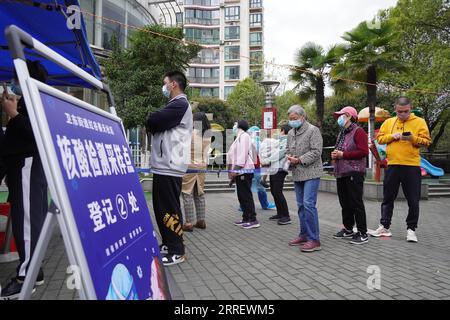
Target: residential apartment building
231	33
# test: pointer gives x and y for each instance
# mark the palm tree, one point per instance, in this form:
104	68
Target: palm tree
368	55
312	72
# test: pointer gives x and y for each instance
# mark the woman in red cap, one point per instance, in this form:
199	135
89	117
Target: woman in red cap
350	157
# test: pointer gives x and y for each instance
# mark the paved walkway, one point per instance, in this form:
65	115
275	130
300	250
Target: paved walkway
227	262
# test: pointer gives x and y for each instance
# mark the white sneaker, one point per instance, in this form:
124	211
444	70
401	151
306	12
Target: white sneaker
171	259
380	232
411	236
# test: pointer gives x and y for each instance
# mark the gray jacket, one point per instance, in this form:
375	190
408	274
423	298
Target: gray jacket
306	143
171	130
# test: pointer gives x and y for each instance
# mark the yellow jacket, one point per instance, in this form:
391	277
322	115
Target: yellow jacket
404	152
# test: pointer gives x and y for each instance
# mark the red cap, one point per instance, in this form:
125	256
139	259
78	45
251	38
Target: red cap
350	110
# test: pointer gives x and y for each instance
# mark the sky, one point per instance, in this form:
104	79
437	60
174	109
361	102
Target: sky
288	24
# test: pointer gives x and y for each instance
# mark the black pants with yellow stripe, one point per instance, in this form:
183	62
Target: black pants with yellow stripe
29	205
166	204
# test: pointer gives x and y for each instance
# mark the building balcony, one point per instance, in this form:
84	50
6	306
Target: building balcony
201	4
201	60
203	80
202	22
204	40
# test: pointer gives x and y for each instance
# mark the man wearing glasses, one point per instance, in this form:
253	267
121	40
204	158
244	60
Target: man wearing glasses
404	135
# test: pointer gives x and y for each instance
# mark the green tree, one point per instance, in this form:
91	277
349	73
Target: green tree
369	54
312	73
220	109
424	27
246	101
135	74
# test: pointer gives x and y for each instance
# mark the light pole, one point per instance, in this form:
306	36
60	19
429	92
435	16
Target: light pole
269	112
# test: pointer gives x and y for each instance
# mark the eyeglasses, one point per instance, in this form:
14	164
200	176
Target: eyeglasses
404	111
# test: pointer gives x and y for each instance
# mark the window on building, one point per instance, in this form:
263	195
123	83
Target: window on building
232	73
209	92
179	17
256	57
256	74
89	6
232	13
232	53
202	36
232	33
110	29
255	20
227	90
255	3
203	75
255	38
202	2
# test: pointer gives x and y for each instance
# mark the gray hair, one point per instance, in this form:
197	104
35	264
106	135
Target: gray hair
297	109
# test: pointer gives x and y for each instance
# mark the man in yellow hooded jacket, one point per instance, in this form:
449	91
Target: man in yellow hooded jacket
404	135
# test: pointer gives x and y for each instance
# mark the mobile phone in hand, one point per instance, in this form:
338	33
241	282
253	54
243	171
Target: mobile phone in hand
406	134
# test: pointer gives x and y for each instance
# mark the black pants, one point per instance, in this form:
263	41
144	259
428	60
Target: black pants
276	188
245	196
166	203
410	179
350	192
29	206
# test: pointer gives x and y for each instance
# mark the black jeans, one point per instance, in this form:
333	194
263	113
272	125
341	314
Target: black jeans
410	179
350	192
168	216
245	196
276	188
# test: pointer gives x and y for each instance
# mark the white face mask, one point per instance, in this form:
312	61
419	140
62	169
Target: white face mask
165	91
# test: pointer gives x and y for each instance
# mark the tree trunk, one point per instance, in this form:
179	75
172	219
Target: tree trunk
441	131
371	96
320	101
371	103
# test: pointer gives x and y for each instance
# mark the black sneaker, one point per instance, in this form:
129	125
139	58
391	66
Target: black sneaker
284	221
163	249
275	217
12	290
359	238
39	279
344	234
171	259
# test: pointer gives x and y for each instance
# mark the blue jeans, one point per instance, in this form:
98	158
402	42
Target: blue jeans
306	194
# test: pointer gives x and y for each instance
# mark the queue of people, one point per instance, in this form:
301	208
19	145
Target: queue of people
299	149
181	141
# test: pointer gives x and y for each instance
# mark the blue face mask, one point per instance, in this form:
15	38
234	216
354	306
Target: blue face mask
15	88
235	130
295	123
341	121
166	92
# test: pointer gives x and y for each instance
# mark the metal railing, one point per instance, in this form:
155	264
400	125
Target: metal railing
203	80
203	22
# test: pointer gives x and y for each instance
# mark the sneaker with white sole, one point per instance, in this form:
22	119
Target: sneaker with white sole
359	238
251	225
411	236
172	259
380	232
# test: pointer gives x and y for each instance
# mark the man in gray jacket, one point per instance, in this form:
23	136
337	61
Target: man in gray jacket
304	151
171	130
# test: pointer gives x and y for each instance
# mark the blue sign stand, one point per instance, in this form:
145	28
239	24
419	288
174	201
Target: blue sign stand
99	203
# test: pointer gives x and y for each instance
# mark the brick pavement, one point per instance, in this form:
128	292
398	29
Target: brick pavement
227	262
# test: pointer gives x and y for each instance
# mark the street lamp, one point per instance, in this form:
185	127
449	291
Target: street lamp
269	112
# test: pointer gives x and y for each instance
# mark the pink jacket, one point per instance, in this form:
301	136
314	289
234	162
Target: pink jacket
242	152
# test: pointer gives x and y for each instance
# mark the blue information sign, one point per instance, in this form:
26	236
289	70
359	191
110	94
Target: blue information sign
107	202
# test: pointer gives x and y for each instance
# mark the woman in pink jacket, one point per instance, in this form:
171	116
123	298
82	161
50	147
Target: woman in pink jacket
242	156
